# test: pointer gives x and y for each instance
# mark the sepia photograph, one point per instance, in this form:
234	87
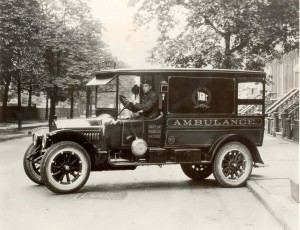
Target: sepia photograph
147	114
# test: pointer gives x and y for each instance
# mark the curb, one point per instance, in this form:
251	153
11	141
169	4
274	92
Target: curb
295	189
278	211
3	138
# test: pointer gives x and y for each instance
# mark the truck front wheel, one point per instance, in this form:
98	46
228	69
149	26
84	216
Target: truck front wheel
65	168
232	165
31	163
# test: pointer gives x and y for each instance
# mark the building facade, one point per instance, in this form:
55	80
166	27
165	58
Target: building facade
282	96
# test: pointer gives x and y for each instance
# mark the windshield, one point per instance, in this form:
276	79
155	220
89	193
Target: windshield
106	97
129	86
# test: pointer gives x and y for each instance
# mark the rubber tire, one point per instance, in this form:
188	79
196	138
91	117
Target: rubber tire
29	168
192	172
217	165
51	155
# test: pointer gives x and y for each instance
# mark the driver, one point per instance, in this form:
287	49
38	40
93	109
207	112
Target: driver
148	108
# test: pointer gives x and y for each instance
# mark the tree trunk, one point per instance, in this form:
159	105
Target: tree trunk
88	101
53	99
47	107
29	109
19	102
72	103
5	98
29	97
227	61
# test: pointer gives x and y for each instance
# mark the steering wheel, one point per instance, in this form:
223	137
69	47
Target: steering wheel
125	102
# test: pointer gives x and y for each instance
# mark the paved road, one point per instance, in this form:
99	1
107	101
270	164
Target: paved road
146	198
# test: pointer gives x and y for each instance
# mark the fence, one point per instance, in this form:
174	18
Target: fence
35	113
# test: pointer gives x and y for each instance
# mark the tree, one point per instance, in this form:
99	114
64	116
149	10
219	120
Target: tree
49	46
65	45
19	27
221	33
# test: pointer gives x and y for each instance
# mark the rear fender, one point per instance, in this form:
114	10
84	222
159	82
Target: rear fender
233	137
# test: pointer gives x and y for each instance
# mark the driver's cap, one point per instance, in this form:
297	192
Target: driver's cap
146	81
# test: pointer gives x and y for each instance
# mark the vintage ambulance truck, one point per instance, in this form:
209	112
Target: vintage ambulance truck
209	122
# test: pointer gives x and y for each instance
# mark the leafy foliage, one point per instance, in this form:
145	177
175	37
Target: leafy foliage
49	46
18	44
220	33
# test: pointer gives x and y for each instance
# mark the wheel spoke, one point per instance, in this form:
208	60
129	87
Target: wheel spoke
65	157
69	157
226	171
61	177
56	167
225	165
58	172
73	174
236	173
75	168
73	162
226	160
58	164
229	176
37	159
68	177
239	157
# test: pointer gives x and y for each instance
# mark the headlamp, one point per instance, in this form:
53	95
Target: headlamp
35	139
44	141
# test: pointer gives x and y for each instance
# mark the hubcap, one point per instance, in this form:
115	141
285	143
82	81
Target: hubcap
67	168
199	168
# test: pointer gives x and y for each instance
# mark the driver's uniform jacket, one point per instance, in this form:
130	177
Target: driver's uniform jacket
149	105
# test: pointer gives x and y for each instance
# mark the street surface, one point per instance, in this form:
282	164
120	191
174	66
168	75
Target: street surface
146	198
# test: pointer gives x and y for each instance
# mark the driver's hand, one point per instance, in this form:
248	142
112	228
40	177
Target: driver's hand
126	100
137	114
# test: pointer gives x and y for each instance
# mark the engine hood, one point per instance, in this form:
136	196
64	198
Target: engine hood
75	123
94	123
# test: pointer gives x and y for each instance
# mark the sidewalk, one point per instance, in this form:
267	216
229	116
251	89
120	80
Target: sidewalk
271	185
9	131
275	195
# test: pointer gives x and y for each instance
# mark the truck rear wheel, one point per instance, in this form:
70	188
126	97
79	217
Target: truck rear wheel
65	168
196	171
232	165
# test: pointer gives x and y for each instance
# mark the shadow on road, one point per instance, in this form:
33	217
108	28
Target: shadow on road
146	186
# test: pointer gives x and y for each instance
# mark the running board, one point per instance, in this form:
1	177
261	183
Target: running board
124	163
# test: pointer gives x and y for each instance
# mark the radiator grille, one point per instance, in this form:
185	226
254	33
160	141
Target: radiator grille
95	138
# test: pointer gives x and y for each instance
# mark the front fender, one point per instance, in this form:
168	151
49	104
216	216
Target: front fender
70	135
233	137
